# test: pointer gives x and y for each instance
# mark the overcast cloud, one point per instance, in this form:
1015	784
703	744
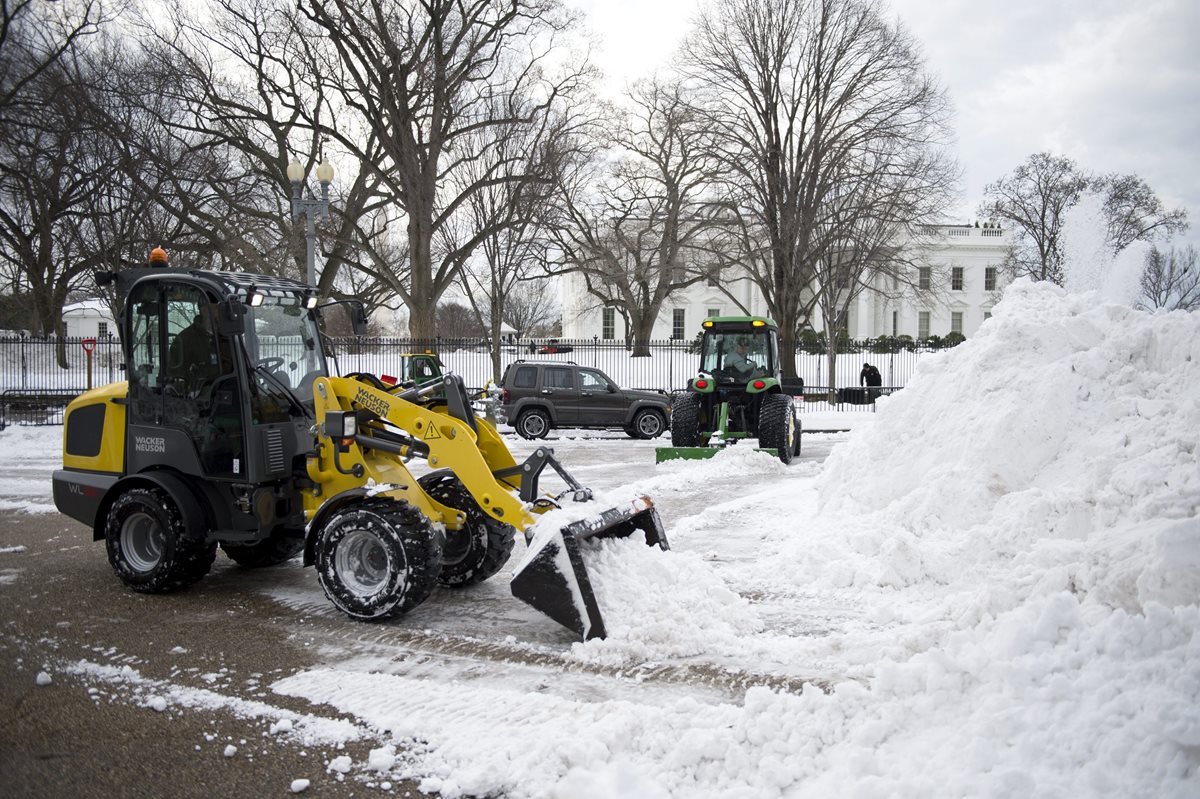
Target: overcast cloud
1113	85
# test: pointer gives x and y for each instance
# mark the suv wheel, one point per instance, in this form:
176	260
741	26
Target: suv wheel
648	423
533	423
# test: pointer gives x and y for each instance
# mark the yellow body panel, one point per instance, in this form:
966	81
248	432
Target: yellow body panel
452	443
111	457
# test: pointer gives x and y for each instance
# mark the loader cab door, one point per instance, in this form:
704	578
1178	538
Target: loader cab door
185	398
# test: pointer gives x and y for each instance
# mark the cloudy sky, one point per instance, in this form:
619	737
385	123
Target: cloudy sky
1112	84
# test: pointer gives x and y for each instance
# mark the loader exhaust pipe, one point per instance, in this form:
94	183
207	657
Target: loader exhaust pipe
553	577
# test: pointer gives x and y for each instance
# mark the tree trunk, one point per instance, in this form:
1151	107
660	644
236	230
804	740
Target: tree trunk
643	328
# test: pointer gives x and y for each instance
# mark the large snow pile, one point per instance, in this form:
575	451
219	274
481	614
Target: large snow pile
1058	448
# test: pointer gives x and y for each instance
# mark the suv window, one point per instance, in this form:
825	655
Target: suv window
526	377
557	377
592	381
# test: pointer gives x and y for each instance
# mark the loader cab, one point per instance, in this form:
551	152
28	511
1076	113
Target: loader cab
220	374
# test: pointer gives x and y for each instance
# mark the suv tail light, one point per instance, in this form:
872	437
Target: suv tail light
504	396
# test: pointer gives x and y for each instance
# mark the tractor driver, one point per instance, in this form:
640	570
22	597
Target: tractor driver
739	361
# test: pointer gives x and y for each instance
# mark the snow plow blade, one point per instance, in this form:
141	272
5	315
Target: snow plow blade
553	577
698	453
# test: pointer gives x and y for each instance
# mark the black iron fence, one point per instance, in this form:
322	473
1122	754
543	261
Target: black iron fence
30	372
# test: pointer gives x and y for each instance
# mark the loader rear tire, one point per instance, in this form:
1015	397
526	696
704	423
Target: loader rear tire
268	552
378	558
777	425
477	551
148	546
685	421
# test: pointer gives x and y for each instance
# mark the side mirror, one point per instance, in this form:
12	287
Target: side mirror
612	388
230	317
358	318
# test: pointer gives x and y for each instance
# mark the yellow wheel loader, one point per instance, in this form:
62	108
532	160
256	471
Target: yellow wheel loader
231	432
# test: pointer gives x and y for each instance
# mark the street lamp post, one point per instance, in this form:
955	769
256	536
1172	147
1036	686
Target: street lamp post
311	208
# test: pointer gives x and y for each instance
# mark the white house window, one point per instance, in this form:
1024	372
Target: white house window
923	324
895	323
677	327
924	278
956	278
989	279
987	315
102	330
711	312
956	322
608	323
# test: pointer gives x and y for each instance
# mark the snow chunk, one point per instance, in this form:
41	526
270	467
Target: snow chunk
43	678
230	750
299	786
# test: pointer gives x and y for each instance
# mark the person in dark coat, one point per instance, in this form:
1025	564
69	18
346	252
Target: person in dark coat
870	377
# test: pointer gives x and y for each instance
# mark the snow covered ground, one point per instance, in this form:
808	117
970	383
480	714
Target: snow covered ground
991	587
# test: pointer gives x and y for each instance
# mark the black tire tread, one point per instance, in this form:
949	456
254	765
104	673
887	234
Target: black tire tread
479	564
422	549
774	416
685	421
188	557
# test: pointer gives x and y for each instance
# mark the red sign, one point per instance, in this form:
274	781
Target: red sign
88	344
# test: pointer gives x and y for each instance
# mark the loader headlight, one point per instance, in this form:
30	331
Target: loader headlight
340	424
255	299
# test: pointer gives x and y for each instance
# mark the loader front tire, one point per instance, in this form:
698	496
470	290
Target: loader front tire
148	546
477	551
777	425
378	558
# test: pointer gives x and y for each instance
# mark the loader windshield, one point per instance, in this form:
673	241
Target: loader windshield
285	347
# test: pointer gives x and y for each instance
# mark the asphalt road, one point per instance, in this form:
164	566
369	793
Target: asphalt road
83	736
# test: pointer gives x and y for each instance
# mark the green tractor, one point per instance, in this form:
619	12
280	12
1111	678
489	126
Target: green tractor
739	393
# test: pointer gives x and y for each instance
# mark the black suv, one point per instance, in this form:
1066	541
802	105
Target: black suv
540	396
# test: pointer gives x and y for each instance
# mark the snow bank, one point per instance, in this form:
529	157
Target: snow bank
1063	439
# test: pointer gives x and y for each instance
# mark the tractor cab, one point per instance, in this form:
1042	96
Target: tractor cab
735	353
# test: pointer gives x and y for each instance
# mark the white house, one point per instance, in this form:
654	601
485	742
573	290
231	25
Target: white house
959	284
88	319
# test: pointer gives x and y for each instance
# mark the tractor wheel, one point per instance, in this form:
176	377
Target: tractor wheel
647	423
533	423
378	558
477	551
148	546
268	552
777	425
685	421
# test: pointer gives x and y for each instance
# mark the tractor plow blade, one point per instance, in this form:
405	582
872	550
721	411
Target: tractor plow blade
698	453
553	577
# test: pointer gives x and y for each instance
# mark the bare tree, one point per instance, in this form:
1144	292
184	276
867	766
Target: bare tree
1171	280
425	78
530	306
639	222
1036	197
50	167
803	95
34	36
1134	212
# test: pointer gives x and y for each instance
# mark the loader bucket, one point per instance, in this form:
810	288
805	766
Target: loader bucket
553	577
